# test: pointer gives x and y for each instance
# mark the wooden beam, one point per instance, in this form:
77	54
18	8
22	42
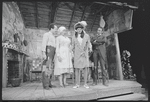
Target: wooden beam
82	17
91	5
118	6
18	3
93	21
72	15
27	7
70	7
49	21
36	10
26	3
53	11
100	9
118	58
108	11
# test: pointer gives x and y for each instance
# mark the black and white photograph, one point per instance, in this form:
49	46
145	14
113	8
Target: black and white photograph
75	50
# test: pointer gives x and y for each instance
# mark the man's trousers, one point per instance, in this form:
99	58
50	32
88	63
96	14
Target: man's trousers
46	80
98	57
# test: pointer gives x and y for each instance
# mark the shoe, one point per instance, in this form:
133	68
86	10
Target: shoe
93	84
77	86
105	84
86	86
62	86
52	86
66	84
47	88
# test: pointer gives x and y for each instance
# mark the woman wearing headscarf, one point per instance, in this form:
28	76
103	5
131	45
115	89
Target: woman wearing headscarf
80	46
63	61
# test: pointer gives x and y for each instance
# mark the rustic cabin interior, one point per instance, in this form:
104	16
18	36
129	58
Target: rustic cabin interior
24	23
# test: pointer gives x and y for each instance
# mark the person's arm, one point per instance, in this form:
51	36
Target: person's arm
102	40
73	44
54	42
70	47
94	41
44	43
89	44
57	46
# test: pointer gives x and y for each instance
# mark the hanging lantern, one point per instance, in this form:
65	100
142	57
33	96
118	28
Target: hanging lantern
102	22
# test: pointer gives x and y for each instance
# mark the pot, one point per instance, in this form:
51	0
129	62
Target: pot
15	82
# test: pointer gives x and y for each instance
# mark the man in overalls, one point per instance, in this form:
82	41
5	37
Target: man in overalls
48	52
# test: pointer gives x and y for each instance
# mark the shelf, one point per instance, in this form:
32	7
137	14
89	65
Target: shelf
13	60
14	47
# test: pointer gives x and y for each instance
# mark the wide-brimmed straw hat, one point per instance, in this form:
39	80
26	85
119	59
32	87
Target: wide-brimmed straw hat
81	24
84	23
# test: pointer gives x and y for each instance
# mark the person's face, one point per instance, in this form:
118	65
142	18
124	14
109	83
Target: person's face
79	30
55	29
99	30
64	32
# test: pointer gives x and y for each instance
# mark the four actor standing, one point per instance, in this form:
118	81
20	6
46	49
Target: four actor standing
79	48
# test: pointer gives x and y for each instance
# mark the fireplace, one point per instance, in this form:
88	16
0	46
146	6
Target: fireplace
13	70
12	65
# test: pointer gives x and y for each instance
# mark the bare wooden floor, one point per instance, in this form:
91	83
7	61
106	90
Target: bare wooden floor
35	91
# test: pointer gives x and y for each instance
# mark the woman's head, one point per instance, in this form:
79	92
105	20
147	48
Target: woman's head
62	30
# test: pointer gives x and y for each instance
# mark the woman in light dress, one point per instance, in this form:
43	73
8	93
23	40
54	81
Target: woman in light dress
63	59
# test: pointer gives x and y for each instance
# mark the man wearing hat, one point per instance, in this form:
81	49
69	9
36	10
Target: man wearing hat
80	46
48	52
90	46
99	54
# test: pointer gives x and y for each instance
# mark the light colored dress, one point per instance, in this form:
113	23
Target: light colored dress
63	45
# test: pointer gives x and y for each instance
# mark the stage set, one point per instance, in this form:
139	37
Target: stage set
117	90
23	26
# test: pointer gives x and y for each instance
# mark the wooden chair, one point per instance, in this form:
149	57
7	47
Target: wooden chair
36	69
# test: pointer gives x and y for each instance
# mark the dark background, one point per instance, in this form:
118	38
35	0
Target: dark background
136	41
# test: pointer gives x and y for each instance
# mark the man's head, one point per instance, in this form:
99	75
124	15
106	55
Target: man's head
100	30
53	28
79	28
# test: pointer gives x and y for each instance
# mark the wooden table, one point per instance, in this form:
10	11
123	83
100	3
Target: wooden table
36	72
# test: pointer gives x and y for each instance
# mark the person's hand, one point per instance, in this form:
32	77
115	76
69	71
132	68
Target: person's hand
59	58
71	53
83	54
44	56
90	50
